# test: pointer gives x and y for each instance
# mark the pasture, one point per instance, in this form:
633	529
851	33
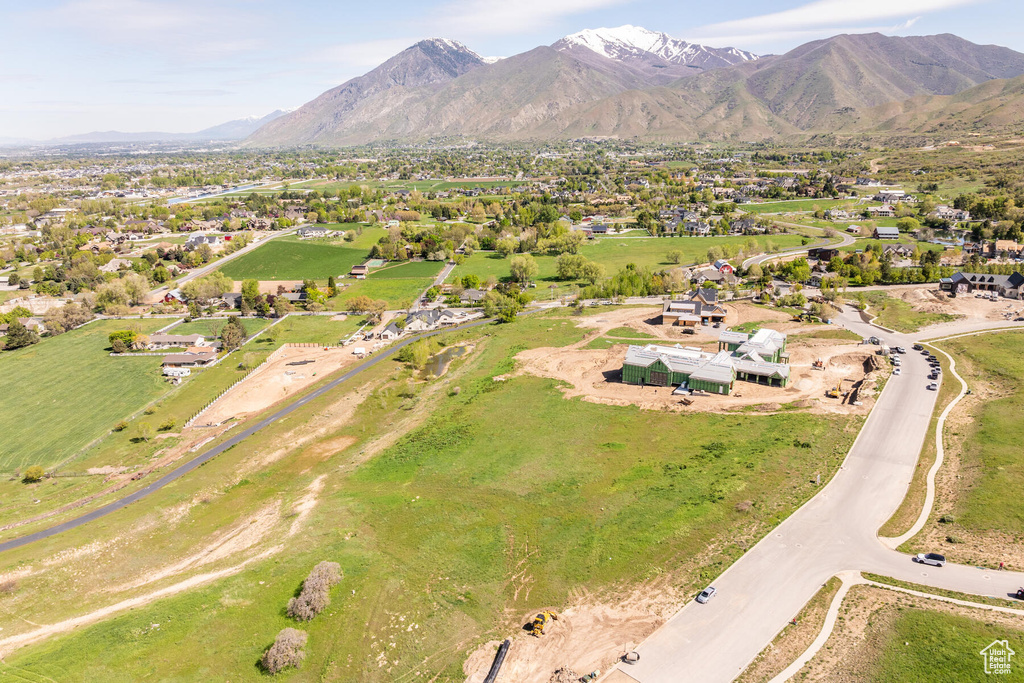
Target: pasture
285	259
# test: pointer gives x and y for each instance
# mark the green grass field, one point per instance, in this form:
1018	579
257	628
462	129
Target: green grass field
861	245
989	501
414	269
66	391
797	205
284	259
898	315
212	327
923	645
500	487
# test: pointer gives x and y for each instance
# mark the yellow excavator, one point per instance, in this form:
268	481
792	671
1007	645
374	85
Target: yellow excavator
837	390
542	620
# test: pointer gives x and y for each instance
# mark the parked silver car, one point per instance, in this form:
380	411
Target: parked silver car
933	559
706	594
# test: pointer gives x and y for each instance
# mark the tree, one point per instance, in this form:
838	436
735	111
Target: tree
287	651
592	272
19	336
118	346
144	431
675	256
524	268
250	293
506	247
136	286
315	594
332	287
33	474
233	334
282	306
570	266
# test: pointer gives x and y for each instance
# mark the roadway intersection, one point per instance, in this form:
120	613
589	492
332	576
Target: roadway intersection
836	531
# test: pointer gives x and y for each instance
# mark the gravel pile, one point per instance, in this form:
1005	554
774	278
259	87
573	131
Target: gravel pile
564	675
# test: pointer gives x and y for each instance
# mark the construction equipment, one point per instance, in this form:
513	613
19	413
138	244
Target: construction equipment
837	390
541	620
818	365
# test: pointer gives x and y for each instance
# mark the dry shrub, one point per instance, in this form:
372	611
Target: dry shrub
316	590
288	650
8	586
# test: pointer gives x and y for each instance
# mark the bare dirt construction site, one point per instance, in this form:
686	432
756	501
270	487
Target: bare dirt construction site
595	374
975	309
290	370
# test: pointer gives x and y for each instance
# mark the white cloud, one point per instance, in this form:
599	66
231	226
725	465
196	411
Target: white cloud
502	17
370	53
822	18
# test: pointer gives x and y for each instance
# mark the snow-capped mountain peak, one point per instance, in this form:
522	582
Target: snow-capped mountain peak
630	43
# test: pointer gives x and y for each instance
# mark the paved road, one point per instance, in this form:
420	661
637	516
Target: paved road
835	531
845	242
199	460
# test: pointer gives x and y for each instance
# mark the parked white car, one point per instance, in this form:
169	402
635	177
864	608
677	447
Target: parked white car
706	594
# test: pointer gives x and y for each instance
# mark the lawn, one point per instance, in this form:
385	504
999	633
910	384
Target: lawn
413	269
922	645
212	327
66	391
898	315
504	497
795	205
862	244
284	259
992	467
397	292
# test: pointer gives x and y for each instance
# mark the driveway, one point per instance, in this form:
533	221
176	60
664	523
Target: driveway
833	532
763	258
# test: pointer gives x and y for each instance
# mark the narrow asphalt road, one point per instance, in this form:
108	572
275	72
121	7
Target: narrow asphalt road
763	258
206	456
833	532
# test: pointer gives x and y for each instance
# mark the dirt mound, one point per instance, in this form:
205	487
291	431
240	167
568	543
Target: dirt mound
564	675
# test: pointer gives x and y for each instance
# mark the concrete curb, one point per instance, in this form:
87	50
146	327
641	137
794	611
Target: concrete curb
849	580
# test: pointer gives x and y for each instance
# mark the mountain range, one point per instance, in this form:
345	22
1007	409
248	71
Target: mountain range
229	131
631	82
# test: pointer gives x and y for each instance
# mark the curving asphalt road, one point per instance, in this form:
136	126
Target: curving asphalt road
763	258
206	456
834	532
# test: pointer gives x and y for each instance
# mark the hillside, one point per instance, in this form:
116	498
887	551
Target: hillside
627	83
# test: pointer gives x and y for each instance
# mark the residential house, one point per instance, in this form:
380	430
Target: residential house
837	215
965	283
169	341
473	296
189	360
696	228
419	321
391	332
701	308
114	265
196	240
312	232
948	213
883	211
715	373
175	296
887	233
823	254
901	251
359	272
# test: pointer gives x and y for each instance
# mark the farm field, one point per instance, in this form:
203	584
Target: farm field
614	254
398	292
412	269
432	529
285	259
72	379
212	327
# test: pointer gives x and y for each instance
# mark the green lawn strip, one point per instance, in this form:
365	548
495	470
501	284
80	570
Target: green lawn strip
899	315
910	509
614	254
282	259
430	531
797	205
991	451
794	636
877	245
66	391
968	597
628	333
833	333
414	269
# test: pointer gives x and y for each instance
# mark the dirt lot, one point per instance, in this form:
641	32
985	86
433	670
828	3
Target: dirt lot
595	374
291	370
270	286
585	638
973	309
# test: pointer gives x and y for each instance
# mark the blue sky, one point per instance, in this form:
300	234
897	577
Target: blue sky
72	66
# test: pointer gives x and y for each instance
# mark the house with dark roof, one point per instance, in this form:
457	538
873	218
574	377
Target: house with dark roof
965	283
887	233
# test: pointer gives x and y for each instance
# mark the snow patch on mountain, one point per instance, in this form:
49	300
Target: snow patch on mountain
635	42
